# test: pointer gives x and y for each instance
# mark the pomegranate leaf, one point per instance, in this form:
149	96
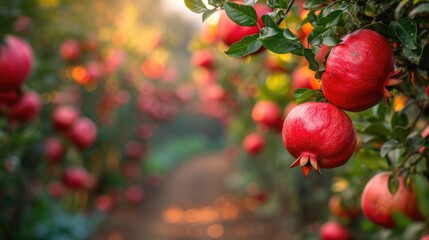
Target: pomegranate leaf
422	194
216	3
334	18
277	3
315	4
401	220
310	57
393	184
245	46
208	13
278	43
196	6
303	94
388	146
241	14
422	8
405	30
413	55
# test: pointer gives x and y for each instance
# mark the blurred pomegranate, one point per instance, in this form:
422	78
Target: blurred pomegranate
203	58
70	50
83	133
268	114
63	117
134	194
55	189
103	203
54	149
75	177
26	109
16	61
134	150
253	143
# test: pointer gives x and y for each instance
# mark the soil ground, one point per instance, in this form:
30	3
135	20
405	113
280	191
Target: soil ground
192	203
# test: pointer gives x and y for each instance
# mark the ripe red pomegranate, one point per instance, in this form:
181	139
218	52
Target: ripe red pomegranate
358	70
26	109
83	133
268	114
425	237
319	135
203	58
103	202
334	231
427	90
63	117
340	210
75	177
16	61
70	50
54	149
378	204
230	32
253	143
55	189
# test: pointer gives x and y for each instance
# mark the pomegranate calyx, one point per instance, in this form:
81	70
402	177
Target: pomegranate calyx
396	73
393	82
307	161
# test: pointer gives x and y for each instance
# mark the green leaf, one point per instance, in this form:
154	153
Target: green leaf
315	4
422	8
216	3
310	57
241	14
332	19
279	44
196	6
245	46
317	31
413	55
302	94
250	2
422	194
288	34
376	128
208	13
401	220
388	146
269	22
405	30
393	184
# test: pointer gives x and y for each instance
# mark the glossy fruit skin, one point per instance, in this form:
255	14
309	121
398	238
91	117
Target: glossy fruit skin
321	132
83	133
16	62
334	231
253	143
268	114
54	149
75	177
230	32
26	109
63	117
357	71
378	204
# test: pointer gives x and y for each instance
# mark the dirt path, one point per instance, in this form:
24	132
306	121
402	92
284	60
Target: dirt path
192	203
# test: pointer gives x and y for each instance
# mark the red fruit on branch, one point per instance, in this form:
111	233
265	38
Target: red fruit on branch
75	177
53	149
319	135
303	77
134	194
379	204
16	61
425	237
83	133
334	231
268	114
253	143
26	109
70	50
230	32
358	70
63	117
103	203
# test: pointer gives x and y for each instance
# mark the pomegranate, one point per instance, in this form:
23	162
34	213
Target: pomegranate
83	133
54	149
134	150
253	143
268	114
16	61
203	58
425	237
63	117
27	108
378	204
303	77
319	135
75	177
55	189
358	70
9	98
334	231
70	50
103	203
230	32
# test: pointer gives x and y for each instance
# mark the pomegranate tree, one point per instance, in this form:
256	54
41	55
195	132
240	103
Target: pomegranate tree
358	70
318	135
379	204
